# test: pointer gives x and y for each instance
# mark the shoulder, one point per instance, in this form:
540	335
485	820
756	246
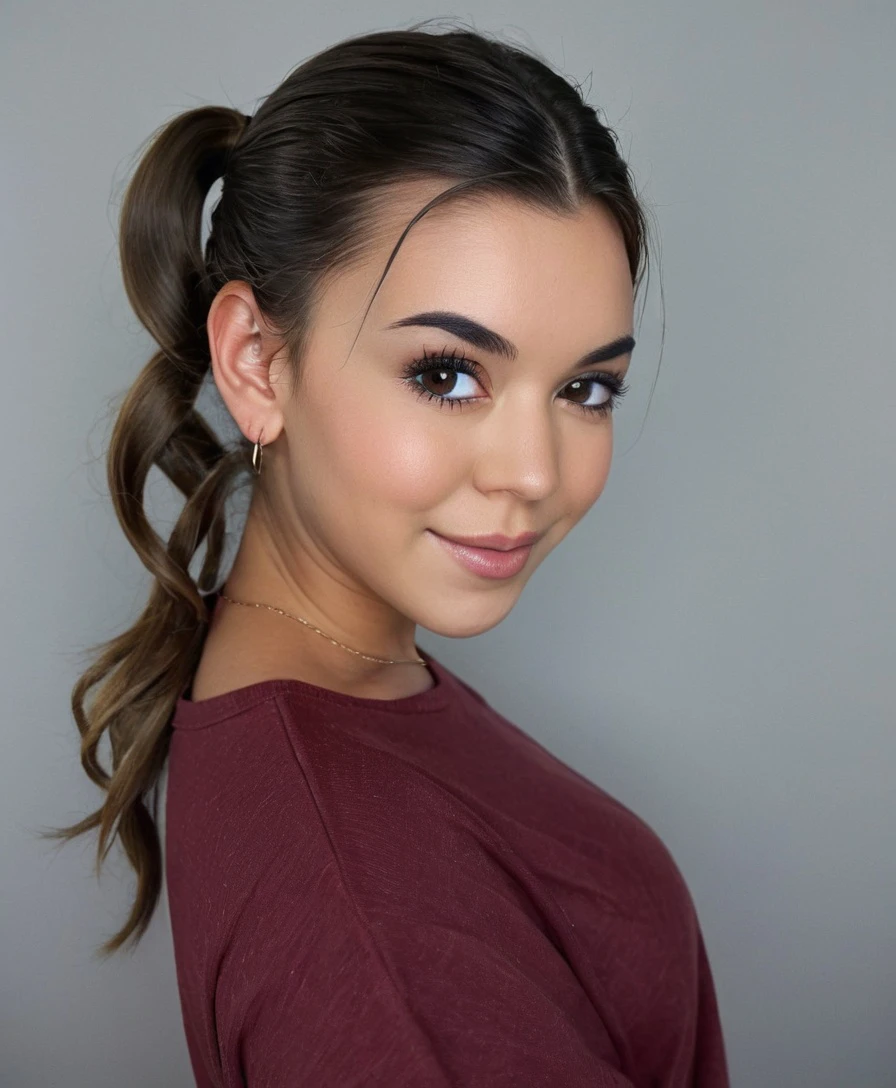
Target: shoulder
277	784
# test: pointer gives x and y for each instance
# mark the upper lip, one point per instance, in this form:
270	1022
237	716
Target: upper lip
497	541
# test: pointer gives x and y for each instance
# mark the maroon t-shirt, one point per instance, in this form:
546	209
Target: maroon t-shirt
415	893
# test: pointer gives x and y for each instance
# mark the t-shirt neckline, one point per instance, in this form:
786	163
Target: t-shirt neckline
190	714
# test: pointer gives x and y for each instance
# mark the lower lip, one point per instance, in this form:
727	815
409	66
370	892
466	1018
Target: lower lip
487	561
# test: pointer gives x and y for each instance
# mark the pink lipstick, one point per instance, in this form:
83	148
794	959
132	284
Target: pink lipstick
488	562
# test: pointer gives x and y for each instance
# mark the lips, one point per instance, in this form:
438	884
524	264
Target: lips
486	562
494	541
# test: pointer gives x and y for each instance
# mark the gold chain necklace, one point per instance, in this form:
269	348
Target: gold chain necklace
381	660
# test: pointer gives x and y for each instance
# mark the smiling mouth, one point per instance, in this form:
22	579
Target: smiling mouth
486	562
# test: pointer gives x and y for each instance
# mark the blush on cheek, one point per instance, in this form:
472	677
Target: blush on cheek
399	458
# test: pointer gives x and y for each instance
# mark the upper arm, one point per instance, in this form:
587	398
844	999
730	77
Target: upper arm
335	1000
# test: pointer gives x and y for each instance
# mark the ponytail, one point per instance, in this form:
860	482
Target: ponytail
140	673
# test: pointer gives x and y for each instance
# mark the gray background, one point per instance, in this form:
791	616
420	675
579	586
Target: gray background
713	644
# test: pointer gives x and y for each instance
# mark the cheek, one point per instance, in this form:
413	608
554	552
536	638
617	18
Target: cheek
392	453
586	468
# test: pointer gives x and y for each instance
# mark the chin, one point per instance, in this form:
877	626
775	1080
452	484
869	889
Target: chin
467	615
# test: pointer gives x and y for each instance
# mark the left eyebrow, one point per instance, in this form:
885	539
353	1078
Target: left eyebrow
465	328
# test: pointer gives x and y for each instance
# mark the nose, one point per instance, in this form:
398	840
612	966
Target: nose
520	451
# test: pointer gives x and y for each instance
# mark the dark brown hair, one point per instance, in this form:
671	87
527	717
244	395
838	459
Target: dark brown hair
304	182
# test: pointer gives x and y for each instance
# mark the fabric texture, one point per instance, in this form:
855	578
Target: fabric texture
414	892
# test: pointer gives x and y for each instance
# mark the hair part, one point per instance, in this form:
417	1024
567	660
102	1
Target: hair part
308	185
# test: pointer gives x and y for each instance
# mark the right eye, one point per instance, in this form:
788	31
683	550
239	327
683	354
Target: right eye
445	367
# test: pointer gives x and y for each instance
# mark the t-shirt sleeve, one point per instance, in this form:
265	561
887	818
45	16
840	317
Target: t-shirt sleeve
345	1002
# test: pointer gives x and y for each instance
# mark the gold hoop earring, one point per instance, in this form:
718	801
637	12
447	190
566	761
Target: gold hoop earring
256	456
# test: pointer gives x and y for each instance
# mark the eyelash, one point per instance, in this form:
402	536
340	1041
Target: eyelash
450	360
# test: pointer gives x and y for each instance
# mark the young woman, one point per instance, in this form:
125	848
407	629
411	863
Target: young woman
416	303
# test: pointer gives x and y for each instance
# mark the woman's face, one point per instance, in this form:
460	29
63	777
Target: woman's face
365	467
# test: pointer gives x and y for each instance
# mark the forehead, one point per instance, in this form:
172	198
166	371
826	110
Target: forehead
511	265
553	284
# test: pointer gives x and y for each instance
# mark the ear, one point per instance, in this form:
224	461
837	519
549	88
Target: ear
242	351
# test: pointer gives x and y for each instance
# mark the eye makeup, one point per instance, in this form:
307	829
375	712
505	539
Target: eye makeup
449	361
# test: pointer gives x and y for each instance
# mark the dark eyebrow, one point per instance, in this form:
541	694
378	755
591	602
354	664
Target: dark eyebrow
465	328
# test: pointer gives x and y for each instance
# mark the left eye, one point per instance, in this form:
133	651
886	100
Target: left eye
605	393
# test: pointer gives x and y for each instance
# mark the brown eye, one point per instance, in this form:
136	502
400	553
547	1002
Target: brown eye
440	382
581	388
441	373
612	387
436	376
